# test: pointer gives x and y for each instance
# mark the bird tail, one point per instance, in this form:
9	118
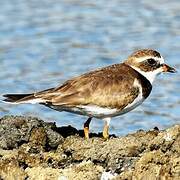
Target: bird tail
21	98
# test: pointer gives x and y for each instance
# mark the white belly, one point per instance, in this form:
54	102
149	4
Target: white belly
99	112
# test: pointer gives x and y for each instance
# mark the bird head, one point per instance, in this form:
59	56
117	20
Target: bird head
149	63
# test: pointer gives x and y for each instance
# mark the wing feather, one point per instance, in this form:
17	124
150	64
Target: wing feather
106	87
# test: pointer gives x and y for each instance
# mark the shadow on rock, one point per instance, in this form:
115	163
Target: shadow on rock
66	131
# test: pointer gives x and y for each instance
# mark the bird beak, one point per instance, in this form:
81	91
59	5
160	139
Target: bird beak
167	68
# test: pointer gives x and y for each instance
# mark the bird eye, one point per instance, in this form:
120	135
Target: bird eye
151	61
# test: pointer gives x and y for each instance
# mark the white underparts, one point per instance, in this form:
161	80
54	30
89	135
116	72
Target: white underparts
35	101
139	99
98	111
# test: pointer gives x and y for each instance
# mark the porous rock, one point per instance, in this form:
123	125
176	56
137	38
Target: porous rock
33	149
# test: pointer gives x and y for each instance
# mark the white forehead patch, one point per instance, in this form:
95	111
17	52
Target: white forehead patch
141	59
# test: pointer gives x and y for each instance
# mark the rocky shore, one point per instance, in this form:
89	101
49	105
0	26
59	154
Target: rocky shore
36	150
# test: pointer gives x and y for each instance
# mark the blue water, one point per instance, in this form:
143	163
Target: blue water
43	43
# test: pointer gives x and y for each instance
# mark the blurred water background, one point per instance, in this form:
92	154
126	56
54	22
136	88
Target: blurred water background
43	43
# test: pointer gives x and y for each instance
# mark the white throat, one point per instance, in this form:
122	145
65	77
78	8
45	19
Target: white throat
150	75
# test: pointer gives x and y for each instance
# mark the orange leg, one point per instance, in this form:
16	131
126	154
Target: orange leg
106	128
86	128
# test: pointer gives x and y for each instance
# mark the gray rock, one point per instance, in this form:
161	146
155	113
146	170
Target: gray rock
16	130
31	148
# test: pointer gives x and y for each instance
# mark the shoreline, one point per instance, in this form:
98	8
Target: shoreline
33	149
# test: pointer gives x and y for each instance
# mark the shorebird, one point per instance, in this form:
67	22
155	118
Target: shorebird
103	93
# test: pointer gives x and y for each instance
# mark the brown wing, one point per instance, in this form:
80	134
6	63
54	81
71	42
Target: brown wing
110	86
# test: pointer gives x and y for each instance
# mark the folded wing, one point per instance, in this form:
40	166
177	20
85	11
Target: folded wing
106	87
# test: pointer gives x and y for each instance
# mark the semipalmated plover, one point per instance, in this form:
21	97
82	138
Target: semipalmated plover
103	93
